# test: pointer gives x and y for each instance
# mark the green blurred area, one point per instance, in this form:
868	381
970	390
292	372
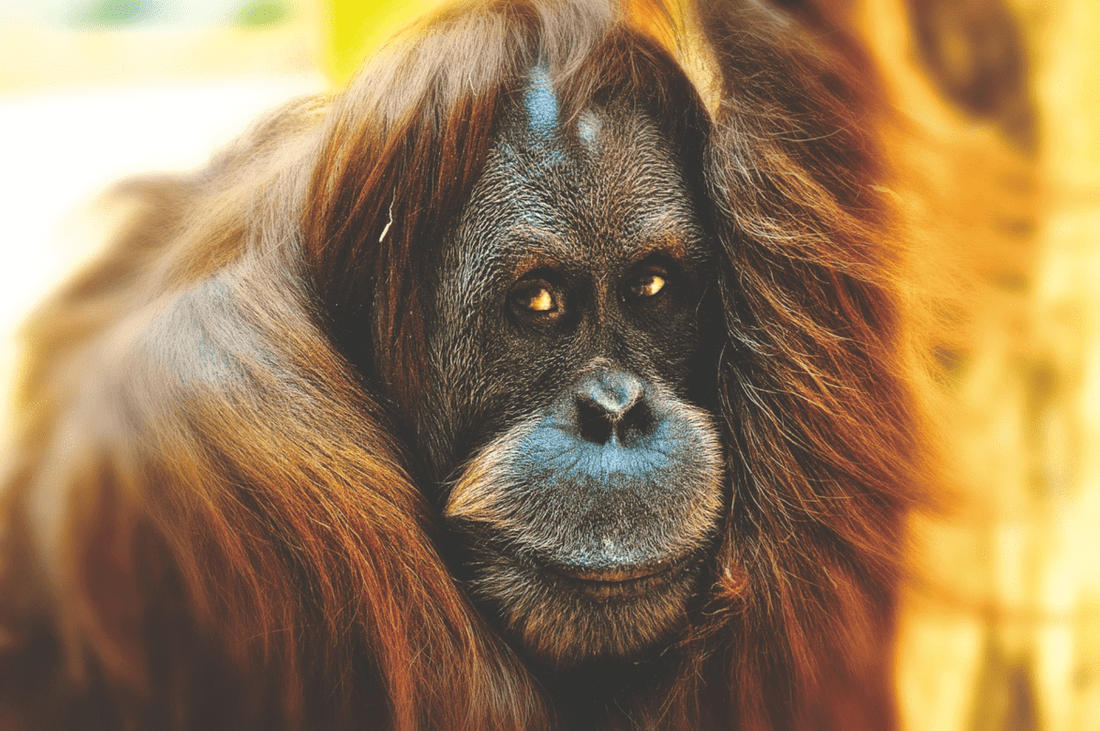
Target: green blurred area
119	14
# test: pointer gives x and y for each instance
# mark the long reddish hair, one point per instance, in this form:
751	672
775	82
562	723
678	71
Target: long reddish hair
213	519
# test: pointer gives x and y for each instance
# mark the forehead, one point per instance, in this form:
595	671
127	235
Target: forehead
600	187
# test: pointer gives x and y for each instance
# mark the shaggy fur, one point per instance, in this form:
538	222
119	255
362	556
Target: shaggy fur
217	517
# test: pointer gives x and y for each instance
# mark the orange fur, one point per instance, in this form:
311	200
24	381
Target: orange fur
212	521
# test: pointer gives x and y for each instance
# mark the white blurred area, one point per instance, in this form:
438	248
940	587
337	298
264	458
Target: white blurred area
84	104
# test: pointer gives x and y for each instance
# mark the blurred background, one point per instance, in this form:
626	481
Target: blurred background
94	90
1001	629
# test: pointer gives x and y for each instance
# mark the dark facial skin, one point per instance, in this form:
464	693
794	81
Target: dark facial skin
580	480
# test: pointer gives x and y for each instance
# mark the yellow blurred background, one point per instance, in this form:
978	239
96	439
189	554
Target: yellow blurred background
1002	629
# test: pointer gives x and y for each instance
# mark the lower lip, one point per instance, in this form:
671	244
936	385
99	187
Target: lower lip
613	577
618	584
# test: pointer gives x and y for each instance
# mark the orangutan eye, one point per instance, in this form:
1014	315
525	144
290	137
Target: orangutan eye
537	298
646	285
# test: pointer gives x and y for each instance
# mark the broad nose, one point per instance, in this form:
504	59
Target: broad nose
612	406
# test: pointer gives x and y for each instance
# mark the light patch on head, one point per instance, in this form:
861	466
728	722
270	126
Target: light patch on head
541	103
588	130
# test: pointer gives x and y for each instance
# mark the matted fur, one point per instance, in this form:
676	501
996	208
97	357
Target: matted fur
212	520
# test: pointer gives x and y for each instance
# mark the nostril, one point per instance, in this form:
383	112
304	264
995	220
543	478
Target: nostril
613	406
594	422
596	425
636	423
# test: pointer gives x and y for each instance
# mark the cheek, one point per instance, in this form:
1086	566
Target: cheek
665	345
482	378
